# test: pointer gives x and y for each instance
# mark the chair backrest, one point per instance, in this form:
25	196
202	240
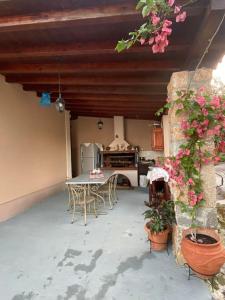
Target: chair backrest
113	181
78	192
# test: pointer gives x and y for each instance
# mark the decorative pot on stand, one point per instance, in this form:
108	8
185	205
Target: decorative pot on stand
205	259
158	240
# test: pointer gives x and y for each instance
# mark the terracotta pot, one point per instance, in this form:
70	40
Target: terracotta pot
158	240
204	259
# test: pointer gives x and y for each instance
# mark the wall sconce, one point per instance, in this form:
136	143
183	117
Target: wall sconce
100	124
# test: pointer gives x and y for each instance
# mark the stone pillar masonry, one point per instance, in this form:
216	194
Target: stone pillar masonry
207	216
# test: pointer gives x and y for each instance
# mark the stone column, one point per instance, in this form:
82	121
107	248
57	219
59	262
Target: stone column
207	216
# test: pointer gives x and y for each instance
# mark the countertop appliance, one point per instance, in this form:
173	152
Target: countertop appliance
90	157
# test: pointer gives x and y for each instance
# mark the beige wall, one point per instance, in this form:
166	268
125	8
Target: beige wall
32	144
84	129
138	133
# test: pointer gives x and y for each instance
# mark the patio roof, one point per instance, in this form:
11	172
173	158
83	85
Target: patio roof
77	39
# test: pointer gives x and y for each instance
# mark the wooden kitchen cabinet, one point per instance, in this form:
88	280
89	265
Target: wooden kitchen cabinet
157	139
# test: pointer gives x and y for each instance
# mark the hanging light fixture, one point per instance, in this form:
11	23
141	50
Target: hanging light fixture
60	104
100	124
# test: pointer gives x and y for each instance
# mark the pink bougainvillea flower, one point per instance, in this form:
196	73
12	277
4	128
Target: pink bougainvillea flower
151	41
193	202
180	106
202	89
158	38
200	196
167	30
155	20
187	152
205	122
205	112
210	132
171	2
190	181
215	101
217	158
184	125
155	48
195	124
201	100
181	17
142	41
177	9
167	23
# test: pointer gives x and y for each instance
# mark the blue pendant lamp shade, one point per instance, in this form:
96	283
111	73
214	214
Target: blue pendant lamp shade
45	99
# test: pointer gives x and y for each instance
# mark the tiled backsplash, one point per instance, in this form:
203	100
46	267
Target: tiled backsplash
151	154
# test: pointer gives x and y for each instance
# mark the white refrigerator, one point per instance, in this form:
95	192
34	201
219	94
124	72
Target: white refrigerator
90	157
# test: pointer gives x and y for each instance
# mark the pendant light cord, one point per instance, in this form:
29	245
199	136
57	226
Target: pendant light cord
59	83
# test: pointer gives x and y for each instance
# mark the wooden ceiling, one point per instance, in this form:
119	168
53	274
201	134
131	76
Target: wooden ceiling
77	38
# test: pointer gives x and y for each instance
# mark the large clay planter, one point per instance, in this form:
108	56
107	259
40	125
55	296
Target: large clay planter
204	259
158	240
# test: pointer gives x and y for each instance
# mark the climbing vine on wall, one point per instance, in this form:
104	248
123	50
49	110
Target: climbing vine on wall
204	120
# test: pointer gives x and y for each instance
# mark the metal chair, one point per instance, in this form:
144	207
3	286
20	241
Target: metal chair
81	198
109	189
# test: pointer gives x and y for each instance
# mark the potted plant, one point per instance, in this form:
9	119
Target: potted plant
159	225
204	120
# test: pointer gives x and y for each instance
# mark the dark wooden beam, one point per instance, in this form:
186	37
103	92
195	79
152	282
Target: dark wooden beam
90	80
213	16
114	112
109	14
112	103
153	65
75	114
135	90
109	105
130	98
55	19
75	49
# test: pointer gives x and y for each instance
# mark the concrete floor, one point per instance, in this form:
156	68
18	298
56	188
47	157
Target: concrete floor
43	256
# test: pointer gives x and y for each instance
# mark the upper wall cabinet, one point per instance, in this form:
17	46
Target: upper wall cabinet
157	139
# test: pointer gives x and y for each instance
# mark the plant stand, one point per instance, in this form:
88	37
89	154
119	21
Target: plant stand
167	245
192	273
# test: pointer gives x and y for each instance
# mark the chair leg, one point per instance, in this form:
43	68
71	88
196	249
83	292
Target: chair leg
110	202
70	201
116	196
74	210
85	214
95	211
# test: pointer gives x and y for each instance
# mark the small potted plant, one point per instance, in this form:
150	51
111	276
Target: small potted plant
159	225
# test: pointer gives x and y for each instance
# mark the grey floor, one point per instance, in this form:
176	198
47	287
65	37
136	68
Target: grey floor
43	256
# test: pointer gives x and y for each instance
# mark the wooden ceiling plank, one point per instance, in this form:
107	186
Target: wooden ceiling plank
74	115
89	80
108	97
113	105
55	19
29	68
75	49
210	22
99	89
88	15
